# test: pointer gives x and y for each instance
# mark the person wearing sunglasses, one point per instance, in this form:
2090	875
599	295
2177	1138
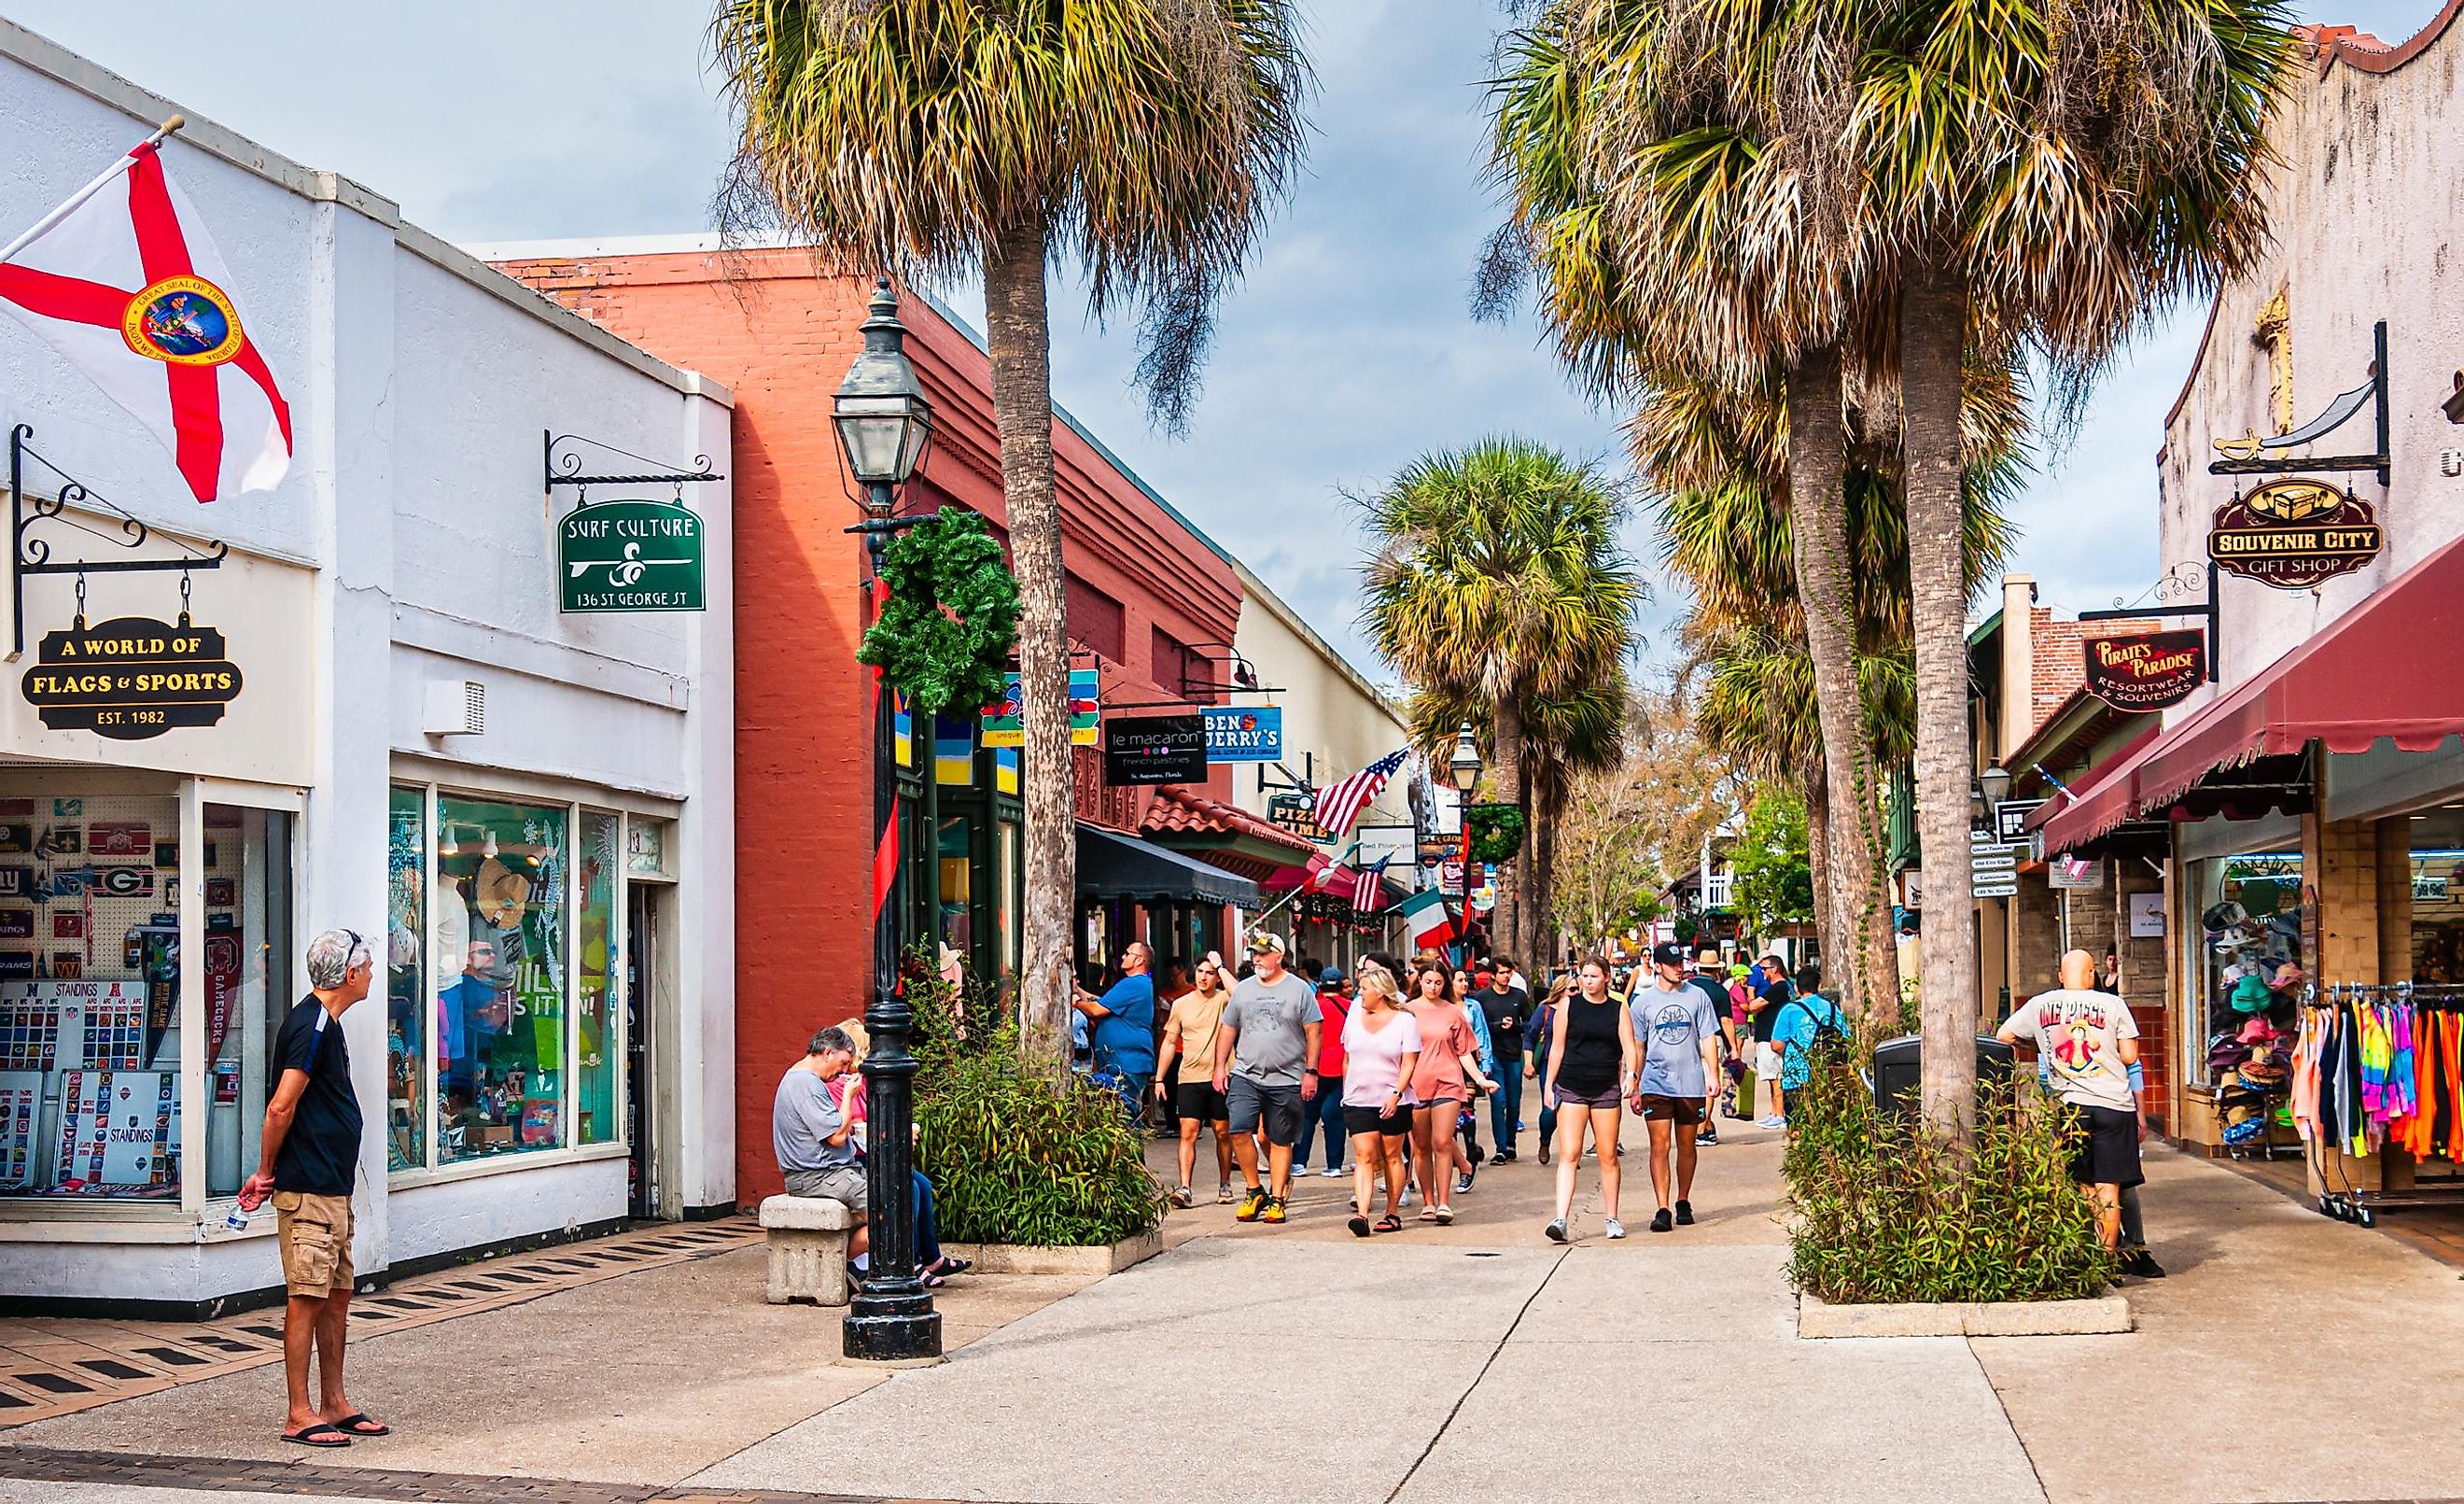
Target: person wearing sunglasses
308	1162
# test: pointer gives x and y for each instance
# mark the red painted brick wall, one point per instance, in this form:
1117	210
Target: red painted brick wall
782	339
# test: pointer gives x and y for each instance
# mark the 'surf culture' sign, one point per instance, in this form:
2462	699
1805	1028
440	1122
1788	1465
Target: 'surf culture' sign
2292	534
2147	671
131	677
630	555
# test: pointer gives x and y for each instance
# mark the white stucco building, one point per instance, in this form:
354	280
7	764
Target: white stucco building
550	1048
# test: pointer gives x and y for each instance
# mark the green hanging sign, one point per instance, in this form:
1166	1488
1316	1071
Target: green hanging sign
630	555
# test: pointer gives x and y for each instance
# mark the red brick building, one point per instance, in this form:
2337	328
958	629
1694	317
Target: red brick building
1152	604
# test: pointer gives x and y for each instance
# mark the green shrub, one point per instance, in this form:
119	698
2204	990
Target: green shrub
1880	1211
1013	1157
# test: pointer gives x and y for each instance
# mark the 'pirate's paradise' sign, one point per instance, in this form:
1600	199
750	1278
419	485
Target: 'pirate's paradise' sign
131	677
2147	671
2292	534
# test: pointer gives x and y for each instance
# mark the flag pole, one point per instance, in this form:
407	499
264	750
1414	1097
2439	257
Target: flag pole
102	179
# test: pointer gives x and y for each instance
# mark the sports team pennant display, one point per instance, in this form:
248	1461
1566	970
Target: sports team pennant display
123	280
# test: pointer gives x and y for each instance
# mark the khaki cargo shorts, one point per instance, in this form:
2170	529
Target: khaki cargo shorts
315	1235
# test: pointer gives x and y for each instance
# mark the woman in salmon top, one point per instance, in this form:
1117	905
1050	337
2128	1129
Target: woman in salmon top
1450	1057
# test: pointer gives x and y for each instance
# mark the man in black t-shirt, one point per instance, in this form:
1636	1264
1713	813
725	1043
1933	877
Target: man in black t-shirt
1772	994
1706	979
308	1163
1507	1008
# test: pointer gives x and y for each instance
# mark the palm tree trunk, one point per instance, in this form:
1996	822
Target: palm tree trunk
1817	862
1552	806
1505	931
1019	339
1933	320
1867	962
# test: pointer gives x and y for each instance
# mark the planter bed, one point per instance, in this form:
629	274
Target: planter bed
1818	1317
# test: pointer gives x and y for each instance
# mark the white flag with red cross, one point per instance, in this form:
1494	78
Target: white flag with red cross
123	280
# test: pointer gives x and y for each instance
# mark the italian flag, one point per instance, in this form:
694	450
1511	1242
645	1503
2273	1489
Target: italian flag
1426	923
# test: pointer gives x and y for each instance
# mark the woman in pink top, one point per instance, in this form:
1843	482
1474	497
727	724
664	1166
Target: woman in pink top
1381	1045
1449	1057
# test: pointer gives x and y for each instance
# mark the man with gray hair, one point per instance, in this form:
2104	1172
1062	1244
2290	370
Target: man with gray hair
308	1163
813	1134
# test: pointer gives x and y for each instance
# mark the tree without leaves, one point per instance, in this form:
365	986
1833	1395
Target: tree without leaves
1147	140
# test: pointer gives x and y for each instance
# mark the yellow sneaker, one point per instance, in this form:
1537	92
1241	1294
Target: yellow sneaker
1252	1203
1274	1211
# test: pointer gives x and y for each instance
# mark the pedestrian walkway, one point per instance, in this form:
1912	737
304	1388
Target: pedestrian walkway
2289	1357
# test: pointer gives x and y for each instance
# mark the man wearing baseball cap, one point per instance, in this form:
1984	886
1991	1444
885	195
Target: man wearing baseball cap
1271	1027
1678	1031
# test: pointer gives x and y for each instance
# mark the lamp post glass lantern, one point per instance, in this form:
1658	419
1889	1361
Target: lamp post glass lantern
1464	770
884	425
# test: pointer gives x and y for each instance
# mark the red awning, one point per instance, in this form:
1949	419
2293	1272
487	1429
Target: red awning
2387	668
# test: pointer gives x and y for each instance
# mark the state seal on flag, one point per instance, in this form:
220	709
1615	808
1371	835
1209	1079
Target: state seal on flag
183	321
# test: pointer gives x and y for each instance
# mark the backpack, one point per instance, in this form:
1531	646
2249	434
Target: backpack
1827	1032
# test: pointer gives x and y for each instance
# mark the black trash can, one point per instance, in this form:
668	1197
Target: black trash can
1898	1068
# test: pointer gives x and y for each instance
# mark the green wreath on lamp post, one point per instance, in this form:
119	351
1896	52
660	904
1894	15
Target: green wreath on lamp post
1496	832
946	632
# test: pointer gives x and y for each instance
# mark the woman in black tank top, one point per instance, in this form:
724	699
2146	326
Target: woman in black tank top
1590	1062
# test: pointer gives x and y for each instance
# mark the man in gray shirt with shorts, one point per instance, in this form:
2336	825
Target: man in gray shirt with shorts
1273	1020
1679	1033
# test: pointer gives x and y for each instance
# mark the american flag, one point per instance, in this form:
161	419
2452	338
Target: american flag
1369	886
1339	804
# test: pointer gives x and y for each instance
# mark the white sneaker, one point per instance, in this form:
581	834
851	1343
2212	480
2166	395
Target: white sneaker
1333	1175
1405	1199
1771	1123
1617	1229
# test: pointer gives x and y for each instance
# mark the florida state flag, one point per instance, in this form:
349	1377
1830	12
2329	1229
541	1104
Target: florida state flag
124	281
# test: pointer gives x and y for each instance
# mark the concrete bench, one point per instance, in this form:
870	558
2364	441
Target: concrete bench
808	1237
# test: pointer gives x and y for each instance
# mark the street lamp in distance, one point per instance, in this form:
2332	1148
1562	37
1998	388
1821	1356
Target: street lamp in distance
884	427
1464	770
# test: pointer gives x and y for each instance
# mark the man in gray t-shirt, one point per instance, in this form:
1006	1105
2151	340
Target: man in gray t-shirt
1679	1031
811	1136
1271	1027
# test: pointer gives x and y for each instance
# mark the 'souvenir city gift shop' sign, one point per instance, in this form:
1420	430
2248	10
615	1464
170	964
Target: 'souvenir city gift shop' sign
131	677
630	555
2292	534
2147	671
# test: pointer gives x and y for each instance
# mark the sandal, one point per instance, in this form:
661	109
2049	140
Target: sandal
1428	1214
1445	1216
1359	1227
320	1434
363	1425
930	1280
1390	1223
947	1265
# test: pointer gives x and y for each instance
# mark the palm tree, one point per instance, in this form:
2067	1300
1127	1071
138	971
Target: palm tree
1675	245
1496	578
1146	138
2029	172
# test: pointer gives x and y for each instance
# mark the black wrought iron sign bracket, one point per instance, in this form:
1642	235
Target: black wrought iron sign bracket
2168	597
563	454
2253	456
32	555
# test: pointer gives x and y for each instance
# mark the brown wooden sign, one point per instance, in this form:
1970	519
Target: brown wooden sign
2293	534
2147	671
131	677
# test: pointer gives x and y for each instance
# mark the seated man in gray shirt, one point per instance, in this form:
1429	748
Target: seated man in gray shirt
814	1138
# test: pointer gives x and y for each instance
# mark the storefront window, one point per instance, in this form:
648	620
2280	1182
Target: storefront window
405	979
1004	891
598	1045
501	874
2248	929
957	866
249	950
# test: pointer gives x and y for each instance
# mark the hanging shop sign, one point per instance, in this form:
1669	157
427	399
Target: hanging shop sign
1006	724
2293	534
1245	733
131	677
2075	872
630	555
1155	749
1297	813
2147	671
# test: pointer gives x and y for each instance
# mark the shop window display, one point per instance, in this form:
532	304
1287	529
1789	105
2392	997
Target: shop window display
2250	963
500	1019
406	1078
597	1040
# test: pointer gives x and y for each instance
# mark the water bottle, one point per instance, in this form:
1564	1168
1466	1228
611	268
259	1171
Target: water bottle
237	1221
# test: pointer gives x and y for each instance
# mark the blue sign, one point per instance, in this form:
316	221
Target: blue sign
1245	734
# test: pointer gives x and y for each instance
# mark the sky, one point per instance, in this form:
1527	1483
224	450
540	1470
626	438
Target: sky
1346	351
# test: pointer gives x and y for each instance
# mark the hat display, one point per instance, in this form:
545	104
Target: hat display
501	894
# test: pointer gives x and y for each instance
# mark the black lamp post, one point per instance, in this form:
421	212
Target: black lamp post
884	425
1463	768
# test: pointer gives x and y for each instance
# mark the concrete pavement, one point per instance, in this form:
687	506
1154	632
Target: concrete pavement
2289	1357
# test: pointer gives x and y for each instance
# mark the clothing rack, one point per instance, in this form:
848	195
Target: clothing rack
2350	1203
